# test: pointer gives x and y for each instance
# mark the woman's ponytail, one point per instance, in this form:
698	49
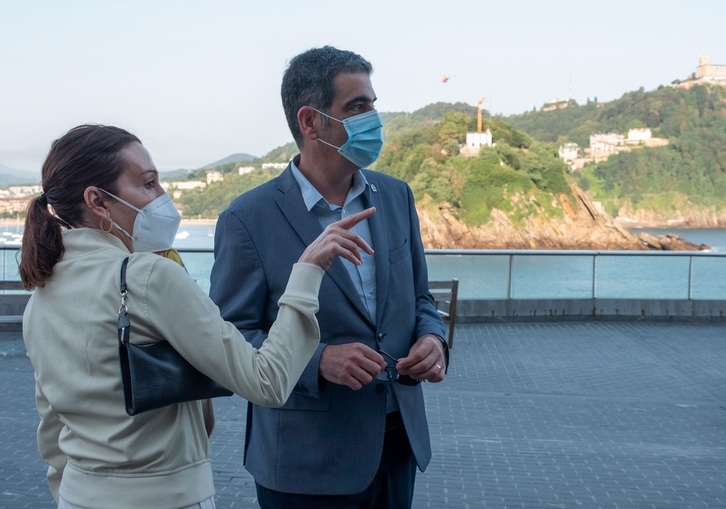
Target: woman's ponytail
42	244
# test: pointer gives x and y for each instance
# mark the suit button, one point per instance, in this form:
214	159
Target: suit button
380	388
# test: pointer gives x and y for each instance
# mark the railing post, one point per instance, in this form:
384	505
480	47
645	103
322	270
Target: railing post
594	274
509	283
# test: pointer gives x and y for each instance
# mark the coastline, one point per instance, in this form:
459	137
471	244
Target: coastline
628	225
656	235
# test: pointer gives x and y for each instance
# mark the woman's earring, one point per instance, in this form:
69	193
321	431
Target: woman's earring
110	224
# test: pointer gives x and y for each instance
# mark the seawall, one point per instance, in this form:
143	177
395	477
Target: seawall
523	310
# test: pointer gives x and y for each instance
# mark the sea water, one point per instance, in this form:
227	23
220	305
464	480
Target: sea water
567	275
499	276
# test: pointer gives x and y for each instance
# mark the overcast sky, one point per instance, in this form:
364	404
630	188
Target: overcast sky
199	80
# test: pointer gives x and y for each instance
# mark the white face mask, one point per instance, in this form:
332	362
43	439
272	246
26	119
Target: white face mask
155	225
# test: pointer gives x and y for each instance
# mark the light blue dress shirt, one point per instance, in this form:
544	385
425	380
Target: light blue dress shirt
364	275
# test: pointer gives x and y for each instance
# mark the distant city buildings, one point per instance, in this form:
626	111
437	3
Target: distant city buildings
603	145
14	199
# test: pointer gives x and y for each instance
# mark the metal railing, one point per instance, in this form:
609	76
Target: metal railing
9	257
539	274
548	274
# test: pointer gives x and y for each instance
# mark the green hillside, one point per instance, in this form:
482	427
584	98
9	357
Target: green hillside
688	174
522	175
519	175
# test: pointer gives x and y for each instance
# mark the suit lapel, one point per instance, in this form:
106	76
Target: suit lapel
308	229
380	244
293	208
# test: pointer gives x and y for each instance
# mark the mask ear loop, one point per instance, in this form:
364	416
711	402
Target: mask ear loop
328	144
331	118
108	217
121	200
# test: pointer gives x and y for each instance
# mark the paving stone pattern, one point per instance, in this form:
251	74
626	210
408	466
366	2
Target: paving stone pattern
533	415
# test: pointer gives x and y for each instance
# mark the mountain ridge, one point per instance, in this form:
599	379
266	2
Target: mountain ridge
11	176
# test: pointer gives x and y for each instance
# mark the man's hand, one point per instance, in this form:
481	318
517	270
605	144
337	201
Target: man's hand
352	364
338	240
425	360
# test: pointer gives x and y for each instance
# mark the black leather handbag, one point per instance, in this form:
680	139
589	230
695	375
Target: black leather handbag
154	375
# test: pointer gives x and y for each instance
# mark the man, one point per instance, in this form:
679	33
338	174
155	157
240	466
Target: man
355	427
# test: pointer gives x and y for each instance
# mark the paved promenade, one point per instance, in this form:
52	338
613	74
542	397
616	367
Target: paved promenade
534	415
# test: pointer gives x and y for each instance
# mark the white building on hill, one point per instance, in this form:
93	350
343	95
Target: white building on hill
638	135
214	176
569	151
605	143
709	72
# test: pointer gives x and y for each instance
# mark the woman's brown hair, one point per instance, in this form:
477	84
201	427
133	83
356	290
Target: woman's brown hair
87	155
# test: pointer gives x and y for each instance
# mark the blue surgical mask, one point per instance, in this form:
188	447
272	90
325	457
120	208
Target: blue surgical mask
365	138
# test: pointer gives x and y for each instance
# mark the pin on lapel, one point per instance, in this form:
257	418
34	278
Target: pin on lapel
374	188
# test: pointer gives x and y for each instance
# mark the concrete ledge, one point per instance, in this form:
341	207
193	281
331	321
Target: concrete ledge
502	310
12	305
523	310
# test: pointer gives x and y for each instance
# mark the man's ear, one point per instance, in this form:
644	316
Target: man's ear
306	119
96	201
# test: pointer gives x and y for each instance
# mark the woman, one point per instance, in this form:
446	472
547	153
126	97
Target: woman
107	202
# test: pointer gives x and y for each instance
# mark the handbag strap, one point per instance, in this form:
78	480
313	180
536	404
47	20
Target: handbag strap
124	322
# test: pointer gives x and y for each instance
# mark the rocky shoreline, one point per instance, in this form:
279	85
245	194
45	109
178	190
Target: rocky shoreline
693	217
582	227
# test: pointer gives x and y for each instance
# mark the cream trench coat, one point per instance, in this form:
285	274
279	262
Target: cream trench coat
99	457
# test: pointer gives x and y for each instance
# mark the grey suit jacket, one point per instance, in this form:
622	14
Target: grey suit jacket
327	439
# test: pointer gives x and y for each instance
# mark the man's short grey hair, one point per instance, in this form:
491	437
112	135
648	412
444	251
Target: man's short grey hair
309	81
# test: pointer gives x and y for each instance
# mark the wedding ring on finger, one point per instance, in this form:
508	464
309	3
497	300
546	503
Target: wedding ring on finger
438	367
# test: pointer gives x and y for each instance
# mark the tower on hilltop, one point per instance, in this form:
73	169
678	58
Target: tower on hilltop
709	72
474	141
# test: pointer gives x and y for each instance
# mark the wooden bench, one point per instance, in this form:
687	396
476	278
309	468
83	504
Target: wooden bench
445	295
12	302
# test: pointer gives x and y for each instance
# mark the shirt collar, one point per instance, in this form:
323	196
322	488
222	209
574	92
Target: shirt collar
311	196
